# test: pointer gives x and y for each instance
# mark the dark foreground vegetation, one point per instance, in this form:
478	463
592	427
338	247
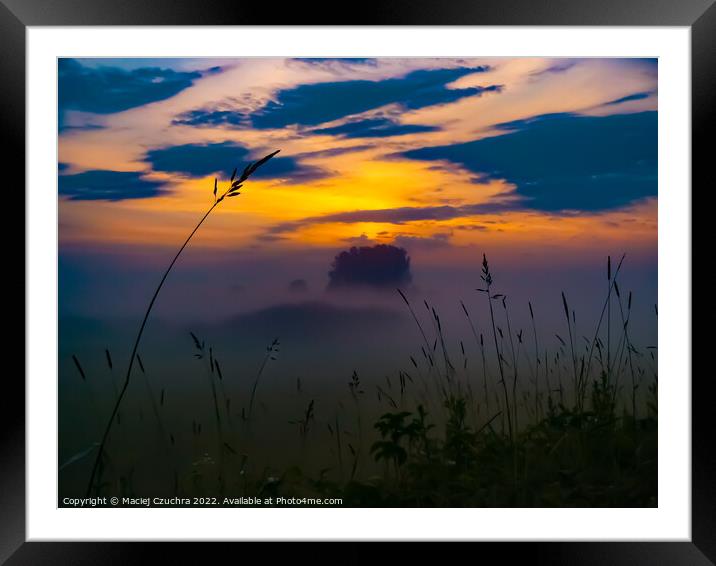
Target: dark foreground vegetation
568	459
589	448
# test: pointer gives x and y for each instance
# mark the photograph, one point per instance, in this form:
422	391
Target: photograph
357	282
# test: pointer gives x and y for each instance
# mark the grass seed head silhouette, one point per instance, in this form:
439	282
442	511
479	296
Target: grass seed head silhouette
233	190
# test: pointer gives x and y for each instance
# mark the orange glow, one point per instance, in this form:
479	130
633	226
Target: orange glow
276	215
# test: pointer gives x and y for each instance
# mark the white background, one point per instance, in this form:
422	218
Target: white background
670	521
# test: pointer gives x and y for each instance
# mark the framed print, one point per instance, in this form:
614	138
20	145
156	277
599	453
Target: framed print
425	277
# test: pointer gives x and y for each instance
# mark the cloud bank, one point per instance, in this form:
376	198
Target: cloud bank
200	160
108	185
565	161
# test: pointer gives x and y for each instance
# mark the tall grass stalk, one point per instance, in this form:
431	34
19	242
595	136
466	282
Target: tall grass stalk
108	358
88	386
339	448
201	355
165	438
609	318
536	373
420	327
449	367
577	384
224	396
354	386
628	345
232	191
480	342
271	351
487	279
514	359
595	338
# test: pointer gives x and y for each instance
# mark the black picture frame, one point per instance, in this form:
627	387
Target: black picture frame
17	15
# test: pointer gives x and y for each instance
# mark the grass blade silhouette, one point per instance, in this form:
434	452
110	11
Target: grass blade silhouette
233	190
487	279
271	351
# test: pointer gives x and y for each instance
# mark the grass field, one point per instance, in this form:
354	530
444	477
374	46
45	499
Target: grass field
522	425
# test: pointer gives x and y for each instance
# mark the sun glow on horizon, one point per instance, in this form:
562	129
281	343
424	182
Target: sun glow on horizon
352	169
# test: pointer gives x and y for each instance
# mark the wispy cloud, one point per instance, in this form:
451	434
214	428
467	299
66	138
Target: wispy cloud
318	103
629	98
373	128
210	118
558	67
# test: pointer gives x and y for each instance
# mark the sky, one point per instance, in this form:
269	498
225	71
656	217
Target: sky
545	165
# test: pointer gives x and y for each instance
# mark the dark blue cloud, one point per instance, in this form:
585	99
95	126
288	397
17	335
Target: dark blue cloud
651	63
373	128
210	118
104	90
349	60
85	127
565	161
314	104
436	241
635	96
561	66
400	215
107	185
199	160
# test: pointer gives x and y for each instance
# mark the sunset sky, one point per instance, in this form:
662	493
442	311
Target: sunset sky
546	165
